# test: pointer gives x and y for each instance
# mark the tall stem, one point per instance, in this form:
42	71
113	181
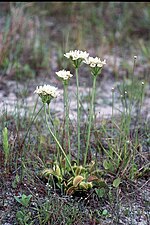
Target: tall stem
57	142
66	109
78	116
90	118
57	148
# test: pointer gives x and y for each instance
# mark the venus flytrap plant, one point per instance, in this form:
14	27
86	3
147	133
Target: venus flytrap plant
65	77
47	93
77	58
83	179
96	66
67	177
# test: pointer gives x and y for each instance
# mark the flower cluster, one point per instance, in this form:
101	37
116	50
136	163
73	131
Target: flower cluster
63	74
76	54
94	62
77	57
47	89
47	92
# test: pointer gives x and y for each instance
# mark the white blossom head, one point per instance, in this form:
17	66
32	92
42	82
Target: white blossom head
64	75
77	57
76	54
95	63
47	92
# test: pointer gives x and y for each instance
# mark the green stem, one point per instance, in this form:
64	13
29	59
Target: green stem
66	109
57	148
57	142
78	116
90	119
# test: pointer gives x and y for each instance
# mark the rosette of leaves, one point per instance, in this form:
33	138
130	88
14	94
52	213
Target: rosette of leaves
83	179
79	182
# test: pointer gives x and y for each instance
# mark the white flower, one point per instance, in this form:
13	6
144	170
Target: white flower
76	54
94	62
65	75
47	89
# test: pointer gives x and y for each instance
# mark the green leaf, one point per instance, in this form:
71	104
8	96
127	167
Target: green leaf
24	200
106	165
58	171
17	199
100	192
116	182
67	164
20	216
85	185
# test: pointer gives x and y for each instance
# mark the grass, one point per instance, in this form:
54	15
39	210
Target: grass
108	157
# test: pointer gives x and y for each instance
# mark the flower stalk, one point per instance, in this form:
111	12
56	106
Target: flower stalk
96	66
91	114
78	115
56	140
66	109
65	76
77	57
